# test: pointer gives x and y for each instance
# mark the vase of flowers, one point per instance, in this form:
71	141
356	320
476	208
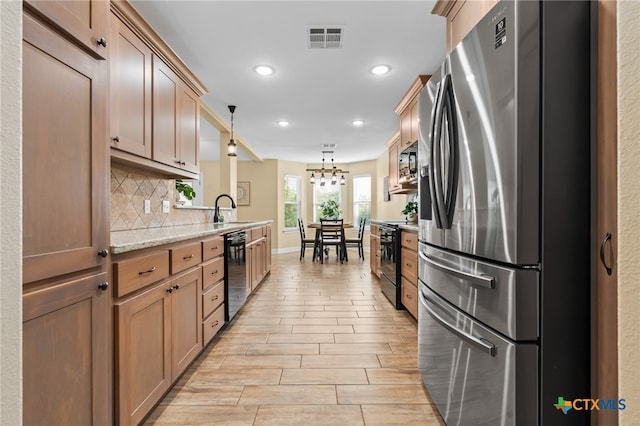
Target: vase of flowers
330	210
410	211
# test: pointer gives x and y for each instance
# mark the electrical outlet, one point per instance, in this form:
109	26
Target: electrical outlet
165	206
147	206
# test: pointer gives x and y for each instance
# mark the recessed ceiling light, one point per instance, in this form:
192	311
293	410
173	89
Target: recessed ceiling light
283	123
380	69
357	123
264	70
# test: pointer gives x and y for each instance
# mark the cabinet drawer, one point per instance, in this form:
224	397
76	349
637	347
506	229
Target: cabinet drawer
184	257
213	247
410	297
212	299
212	324
409	268
409	240
212	272
133	274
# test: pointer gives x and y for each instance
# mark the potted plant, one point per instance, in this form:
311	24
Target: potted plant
185	189
410	211
330	210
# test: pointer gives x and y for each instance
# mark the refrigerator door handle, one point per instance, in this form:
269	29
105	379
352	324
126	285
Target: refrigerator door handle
482	344
449	200
435	166
483	280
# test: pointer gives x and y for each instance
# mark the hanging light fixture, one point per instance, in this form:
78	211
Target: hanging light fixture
231	146
327	175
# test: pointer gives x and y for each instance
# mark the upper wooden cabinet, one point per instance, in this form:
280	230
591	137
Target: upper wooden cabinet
407	109
130	91
176	118
462	16
393	147
66	177
155	100
85	21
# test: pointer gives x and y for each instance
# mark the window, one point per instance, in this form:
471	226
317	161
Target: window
292	195
322	194
361	198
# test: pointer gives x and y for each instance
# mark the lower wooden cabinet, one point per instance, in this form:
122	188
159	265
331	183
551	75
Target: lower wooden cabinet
157	336
143	345
258	256
374	250
186	320
409	271
409	296
65	352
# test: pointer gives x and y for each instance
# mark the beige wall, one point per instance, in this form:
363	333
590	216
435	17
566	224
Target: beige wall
10	213
629	208
263	190
211	183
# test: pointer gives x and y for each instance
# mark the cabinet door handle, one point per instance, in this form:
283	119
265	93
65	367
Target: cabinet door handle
214	248
216	322
103	253
408	296
215	297
103	286
170	290
102	42
116	138
148	271
176	287
183	163
214	272
188	257
607	239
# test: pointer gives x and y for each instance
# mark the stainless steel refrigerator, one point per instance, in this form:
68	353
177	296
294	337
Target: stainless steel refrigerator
505	218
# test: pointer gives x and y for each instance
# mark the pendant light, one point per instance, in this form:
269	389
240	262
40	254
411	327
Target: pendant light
231	146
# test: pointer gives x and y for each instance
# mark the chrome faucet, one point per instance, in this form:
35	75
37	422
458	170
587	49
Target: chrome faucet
216	214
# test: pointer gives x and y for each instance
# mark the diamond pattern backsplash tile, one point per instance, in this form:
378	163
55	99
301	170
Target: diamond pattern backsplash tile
128	192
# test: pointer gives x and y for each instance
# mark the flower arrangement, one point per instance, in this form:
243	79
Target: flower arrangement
330	209
410	211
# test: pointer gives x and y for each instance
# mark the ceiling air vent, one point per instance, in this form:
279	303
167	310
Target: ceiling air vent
324	37
329	145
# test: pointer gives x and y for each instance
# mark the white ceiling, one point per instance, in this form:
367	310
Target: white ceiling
319	91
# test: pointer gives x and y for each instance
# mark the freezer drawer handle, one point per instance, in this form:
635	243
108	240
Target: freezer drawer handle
483	280
482	344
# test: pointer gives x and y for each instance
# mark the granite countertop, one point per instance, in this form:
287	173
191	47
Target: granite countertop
125	241
402	224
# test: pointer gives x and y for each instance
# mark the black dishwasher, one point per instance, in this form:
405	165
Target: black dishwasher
235	273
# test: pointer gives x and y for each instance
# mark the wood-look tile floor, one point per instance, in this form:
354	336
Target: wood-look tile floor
316	344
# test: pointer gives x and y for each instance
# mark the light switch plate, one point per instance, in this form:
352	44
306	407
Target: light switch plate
165	206
147	206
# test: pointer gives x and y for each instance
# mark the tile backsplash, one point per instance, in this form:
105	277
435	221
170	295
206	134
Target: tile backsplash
129	190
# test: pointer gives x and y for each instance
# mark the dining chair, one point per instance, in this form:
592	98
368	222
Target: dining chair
358	242
332	234
305	242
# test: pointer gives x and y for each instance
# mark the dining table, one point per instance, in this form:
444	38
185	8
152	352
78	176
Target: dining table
317	227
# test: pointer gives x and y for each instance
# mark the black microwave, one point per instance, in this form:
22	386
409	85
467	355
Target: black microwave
408	164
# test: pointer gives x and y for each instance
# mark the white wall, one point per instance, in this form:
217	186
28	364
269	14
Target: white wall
629	208
11	213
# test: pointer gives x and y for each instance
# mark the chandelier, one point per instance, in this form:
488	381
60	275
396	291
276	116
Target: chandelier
325	174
